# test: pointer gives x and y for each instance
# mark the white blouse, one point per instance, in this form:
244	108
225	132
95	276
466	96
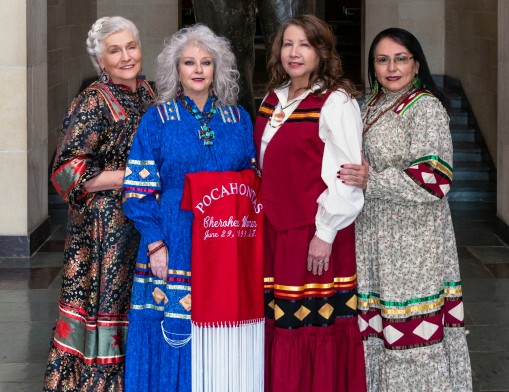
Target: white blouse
340	127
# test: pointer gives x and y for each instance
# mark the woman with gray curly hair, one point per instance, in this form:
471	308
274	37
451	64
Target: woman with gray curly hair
194	128
88	347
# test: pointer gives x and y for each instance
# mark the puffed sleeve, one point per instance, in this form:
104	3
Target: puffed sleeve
341	129
142	183
427	175
77	157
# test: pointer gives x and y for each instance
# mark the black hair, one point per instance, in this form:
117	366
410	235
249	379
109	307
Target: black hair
409	41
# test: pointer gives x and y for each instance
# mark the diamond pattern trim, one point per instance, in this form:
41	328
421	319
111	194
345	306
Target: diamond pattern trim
425	330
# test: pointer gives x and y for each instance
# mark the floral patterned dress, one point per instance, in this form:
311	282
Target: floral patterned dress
410	297
88	347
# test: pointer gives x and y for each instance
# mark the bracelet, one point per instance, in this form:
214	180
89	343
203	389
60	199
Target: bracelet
158	247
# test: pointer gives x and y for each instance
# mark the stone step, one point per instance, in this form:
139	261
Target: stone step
471	171
458	117
456	100
463	133
472	191
467	151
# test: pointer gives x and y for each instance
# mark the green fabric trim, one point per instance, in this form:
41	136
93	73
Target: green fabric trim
432	158
404	303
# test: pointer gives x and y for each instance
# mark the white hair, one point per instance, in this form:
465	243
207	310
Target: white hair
226	74
101	30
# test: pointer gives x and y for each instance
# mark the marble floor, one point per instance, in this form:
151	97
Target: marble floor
29	289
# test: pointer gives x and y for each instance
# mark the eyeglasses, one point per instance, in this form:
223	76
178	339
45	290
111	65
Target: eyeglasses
398	60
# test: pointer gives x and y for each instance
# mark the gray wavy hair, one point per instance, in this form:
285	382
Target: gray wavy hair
102	29
226	75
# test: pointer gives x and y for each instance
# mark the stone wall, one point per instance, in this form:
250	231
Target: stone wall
68	61
24	220
424	19
155	19
503	119
471	56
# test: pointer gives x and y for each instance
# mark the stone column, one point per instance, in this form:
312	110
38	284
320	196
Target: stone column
155	20
236	20
24	222
503	121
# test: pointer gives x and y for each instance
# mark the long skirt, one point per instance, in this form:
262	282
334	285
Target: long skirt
313	341
88	347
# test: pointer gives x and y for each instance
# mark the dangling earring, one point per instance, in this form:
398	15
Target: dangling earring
179	89
211	89
376	86
104	77
417	82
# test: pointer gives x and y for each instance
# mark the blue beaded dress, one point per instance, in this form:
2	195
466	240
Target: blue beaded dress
166	147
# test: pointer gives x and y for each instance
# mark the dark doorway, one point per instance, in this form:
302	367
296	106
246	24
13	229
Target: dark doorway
344	16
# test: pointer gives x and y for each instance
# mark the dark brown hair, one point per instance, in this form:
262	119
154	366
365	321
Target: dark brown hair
329	71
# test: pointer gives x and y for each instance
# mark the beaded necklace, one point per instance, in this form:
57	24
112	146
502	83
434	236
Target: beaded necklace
203	118
368	125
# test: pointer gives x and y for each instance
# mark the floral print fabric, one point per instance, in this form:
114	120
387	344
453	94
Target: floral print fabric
410	300
88	347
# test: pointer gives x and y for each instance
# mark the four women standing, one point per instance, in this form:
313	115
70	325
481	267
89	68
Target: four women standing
308	125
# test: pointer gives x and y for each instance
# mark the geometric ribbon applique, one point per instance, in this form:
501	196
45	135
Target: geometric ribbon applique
302	313
278	312
352	302
445	188
434	179
159	296
376	323
425	330
144	173
127	171
326	311
362	324
186	302
458	312
391	334
428	178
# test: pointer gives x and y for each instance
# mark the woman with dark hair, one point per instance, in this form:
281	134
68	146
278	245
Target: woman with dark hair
410	297
307	125
88	347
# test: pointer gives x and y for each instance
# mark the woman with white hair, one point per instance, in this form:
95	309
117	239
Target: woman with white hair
195	127
88	347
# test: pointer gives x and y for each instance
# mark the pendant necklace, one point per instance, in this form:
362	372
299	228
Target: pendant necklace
279	117
203	118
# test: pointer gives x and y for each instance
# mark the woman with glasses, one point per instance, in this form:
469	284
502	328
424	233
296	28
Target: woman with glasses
410	297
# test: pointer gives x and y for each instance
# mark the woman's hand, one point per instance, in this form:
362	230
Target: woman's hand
105	180
158	260
318	256
355	175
